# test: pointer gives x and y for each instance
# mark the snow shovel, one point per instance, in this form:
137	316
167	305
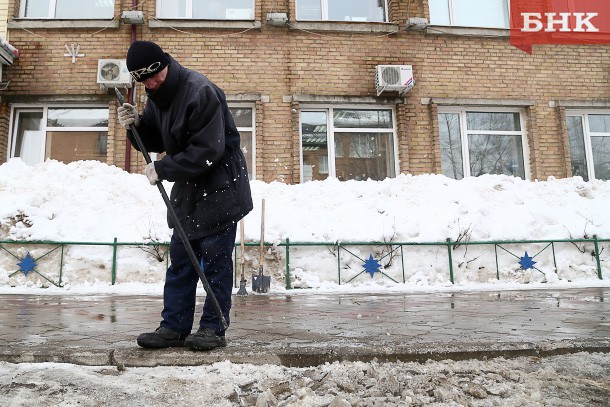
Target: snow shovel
261	283
177	227
242	283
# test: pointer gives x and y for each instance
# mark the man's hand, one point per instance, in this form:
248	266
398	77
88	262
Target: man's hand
151	173
128	115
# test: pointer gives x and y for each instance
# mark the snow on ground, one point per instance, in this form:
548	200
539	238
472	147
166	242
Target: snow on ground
558	381
88	201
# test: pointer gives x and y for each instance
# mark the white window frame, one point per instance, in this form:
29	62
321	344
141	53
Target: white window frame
251	129
453	13
464	133
189	12
17	109
331	129
51	11
587	133
324	10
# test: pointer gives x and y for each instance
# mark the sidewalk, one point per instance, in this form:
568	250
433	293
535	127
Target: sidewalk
308	329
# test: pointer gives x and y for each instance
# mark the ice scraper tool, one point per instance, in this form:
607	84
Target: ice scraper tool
177	227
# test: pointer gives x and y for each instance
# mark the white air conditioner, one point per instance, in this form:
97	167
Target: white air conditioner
394	78
112	73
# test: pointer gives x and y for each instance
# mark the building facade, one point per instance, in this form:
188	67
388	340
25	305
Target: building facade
304	80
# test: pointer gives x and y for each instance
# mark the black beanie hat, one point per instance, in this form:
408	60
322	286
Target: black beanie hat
145	59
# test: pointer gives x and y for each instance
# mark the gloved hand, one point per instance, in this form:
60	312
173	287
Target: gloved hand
151	173
128	115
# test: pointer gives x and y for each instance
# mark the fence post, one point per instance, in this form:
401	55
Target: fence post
339	261
114	248
288	285
402	262
599	265
450	260
61	264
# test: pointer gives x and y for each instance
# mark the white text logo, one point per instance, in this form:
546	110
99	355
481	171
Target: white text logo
558	22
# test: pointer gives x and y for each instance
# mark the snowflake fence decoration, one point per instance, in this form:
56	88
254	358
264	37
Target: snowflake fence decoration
27	264
526	262
371	265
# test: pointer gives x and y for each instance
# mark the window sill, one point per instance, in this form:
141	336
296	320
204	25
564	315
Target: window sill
55	23
222	24
340	26
468	31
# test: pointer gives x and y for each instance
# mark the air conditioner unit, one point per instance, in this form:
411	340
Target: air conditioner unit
112	73
394	78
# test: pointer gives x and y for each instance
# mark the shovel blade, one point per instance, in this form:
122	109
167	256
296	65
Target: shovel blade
261	283
242	288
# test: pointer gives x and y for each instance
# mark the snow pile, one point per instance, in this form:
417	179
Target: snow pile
566	380
88	201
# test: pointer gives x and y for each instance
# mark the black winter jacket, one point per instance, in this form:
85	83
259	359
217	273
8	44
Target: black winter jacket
188	118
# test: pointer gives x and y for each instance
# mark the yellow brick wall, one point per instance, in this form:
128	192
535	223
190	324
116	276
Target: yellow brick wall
3	17
279	62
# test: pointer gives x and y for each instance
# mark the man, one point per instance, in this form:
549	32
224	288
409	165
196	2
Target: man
187	117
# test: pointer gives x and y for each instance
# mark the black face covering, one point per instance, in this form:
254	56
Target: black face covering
163	96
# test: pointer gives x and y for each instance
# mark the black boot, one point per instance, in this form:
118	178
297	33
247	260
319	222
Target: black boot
205	339
161	338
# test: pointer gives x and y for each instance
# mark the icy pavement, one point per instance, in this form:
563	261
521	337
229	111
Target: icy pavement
526	348
310	329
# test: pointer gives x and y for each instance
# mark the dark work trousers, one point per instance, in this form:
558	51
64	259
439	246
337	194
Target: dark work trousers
181	279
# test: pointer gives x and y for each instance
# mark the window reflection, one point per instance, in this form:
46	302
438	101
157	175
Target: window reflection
577	147
362	156
206	9
69	9
600	147
470	13
491	154
589	138
342	10
451	145
314	145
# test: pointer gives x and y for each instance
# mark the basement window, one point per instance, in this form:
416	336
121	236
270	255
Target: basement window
64	134
481	141
589	135
67	9
342	10
348	144
206	9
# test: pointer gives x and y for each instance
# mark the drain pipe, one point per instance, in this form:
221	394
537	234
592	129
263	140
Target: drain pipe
130	95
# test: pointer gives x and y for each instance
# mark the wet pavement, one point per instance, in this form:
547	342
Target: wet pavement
309	329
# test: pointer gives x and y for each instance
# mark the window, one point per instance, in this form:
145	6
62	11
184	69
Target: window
206	9
477	142
342	10
59	133
244	120
589	137
67	9
470	13
348	144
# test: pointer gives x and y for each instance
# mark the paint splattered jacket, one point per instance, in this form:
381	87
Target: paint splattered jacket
188	119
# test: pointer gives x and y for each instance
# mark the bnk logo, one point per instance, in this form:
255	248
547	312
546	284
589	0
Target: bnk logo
559	22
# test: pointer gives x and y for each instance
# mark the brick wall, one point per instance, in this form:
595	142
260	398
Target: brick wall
278	63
